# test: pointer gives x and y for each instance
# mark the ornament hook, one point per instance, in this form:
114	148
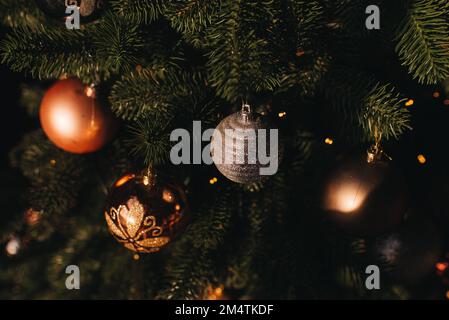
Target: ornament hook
71	3
246	110
375	154
149	176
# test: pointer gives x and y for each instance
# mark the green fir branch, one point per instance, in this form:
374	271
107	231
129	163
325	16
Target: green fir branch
138	11
371	111
423	41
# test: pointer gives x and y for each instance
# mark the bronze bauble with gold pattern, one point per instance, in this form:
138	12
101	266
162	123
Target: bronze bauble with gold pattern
145	211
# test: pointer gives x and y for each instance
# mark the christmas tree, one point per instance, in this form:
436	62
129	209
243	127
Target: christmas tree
354	208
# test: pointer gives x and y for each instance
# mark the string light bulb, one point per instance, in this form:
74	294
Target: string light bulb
421	159
282	114
410	103
442	266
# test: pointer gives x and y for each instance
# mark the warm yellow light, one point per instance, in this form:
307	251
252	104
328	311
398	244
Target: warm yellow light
447	294
177	207
168	196
214	293
329	141
421	159
53	162
124	180
90	92
136	257
63	121
442	266
410	103
436	94
282	114
213	180
347	197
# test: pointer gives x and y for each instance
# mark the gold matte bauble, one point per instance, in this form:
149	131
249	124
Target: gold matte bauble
145	212
73	118
365	198
410	252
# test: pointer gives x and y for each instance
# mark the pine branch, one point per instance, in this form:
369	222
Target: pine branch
238	38
150	140
423	41
191	16
306	76
48	53
372	110
194	262
138	11
20	13
213	223
118	44
110	46
157	93
55	176
309	20
384	113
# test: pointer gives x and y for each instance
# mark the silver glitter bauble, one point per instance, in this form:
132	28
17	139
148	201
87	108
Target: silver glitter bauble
235	147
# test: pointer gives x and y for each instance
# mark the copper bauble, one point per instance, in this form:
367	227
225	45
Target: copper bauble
145	212
90	10
365	197
239	159
73	119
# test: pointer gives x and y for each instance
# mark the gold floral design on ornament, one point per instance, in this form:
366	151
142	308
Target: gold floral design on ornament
129	225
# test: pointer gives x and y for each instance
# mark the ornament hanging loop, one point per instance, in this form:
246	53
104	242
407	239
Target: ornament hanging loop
71	3
149	176
90	91
246	110
375	152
